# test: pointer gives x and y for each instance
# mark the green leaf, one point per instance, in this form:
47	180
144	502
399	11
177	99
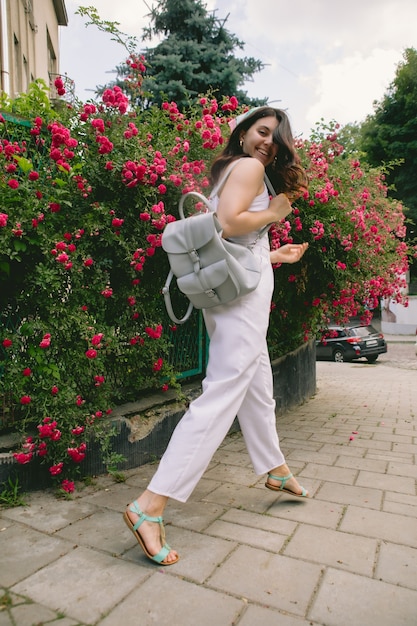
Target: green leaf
5	267
24	164
59	182
26	329
19	245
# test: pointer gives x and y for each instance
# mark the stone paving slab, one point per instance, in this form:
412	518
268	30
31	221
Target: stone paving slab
387	482
206	554
97	532
397	565
24	551
248	536
194	515
386	526
249	556
48	514
268	579
255	615
339	475
362	464
165	600
349	494
346	598
333	548
82	584
319	513
403	505
261	522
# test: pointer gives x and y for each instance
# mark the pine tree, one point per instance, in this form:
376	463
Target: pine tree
197	55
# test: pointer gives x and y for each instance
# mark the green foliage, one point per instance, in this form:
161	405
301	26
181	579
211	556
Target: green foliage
27	105
5	601
357	252
389	136
10	497
104	434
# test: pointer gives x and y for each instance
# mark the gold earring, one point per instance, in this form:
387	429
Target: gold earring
241	143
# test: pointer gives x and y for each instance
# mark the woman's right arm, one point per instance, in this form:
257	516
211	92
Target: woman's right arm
245	182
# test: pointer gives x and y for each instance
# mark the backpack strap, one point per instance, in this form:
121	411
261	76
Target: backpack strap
168	303
269	185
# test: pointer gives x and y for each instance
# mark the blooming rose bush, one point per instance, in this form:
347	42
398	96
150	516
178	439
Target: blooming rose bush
86	192
357	253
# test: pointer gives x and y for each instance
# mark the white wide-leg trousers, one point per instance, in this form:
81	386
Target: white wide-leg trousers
238	383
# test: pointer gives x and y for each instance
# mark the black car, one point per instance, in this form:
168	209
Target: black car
348	343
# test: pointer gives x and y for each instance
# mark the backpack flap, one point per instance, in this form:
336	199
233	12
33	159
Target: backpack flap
182	239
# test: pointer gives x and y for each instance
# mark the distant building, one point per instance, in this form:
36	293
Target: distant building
29	44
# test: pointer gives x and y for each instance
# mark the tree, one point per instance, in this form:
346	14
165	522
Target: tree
389	136
197	55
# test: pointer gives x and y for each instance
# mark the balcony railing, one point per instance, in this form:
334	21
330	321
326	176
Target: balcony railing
69	86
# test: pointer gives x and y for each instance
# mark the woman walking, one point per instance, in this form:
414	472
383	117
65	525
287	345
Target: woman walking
238	380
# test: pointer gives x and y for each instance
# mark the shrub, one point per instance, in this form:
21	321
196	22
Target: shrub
357	254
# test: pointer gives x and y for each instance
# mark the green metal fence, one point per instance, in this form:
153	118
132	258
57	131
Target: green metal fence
189	344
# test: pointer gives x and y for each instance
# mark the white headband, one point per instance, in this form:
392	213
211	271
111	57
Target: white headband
239	119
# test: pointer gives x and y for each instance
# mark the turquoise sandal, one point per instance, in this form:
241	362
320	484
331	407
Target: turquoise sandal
165	550
284	480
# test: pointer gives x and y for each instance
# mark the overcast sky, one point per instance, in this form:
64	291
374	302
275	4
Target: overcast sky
326	59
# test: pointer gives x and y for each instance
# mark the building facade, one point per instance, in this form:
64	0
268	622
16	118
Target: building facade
29	50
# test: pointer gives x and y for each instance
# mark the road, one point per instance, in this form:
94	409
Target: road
400	355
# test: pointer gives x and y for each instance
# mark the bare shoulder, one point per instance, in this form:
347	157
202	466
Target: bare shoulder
250	164
248	170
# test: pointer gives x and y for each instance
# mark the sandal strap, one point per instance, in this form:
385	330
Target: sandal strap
162	554
146	518
283	479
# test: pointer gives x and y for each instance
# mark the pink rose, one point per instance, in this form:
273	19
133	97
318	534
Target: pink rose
68	485
56	469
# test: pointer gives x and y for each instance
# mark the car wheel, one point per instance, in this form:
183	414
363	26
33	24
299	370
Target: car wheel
372	359
338	356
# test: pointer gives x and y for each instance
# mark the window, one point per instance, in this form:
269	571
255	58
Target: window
17	87
52	63
25	77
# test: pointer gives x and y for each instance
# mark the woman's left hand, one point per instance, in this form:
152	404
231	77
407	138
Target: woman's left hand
289	253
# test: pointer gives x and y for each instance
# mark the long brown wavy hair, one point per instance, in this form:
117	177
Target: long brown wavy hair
285	172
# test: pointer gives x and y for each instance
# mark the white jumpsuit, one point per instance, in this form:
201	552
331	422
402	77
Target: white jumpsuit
238	383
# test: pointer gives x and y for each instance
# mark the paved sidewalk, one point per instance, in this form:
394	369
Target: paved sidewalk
248	555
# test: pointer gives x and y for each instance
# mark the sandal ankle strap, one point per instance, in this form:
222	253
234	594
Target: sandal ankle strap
282	479
146	518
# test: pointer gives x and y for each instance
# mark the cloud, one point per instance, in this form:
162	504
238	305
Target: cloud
346	90
130	14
